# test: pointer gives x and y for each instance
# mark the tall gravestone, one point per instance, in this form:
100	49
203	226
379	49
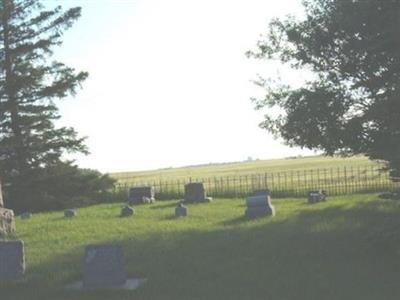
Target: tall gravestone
141	194
259	204
12	260
195	192
7	220
103	266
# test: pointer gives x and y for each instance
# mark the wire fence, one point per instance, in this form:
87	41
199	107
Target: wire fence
336	181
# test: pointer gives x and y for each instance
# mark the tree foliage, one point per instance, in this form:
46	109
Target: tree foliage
352	105
31	146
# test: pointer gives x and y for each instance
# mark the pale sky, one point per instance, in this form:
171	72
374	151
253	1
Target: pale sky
169	83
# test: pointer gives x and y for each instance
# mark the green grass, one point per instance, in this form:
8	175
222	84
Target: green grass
345	248
244	168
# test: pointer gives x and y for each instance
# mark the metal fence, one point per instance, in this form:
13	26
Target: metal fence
336	181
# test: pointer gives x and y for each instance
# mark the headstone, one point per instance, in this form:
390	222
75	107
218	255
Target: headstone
127	211
69	213
195	192
259	204
12	260
26	216
7	220
181	210
103	266
316	196
141	194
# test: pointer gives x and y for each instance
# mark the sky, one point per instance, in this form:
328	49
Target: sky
169	82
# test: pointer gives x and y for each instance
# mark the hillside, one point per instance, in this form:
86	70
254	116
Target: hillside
244	168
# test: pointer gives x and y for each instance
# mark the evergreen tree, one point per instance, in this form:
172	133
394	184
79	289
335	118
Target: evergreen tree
30	84
352	105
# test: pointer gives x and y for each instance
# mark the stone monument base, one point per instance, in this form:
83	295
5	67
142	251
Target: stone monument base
254	212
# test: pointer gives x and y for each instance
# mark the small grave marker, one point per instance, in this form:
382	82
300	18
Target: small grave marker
181	210
69	213
26	216
12	260
127	211
316	196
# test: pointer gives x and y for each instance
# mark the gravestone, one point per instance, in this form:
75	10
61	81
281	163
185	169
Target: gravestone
181	210
259	204
195	192
316	196
69	213
12	260
141	194
127	211
26	216
103	266
7	220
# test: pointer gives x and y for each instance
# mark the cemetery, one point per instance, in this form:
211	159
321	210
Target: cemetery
160	185
153	253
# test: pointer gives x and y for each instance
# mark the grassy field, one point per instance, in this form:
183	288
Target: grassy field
283	177
346	248
244	168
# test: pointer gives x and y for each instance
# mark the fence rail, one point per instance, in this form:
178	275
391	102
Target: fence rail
336	181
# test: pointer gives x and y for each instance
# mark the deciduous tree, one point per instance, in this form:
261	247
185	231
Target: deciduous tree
352	106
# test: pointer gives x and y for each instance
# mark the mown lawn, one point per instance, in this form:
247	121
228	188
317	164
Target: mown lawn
346	248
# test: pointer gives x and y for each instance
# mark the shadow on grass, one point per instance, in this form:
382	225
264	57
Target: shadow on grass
320	254
163	205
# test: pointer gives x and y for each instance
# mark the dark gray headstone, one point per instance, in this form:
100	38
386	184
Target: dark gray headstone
127	211
26	216
69	213
195	192
181	210
259	205
141	194
12	260
103	266
316	196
